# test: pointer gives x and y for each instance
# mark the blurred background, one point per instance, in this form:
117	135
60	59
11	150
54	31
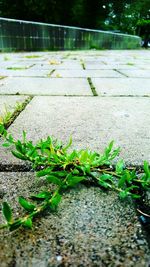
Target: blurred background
125	16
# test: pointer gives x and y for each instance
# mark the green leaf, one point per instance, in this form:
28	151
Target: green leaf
20	147
55	201
41	195
75	171
19	155
43	172
122	181
7	212
60	173
115	153
120	166
104	184
6	144
15	225
24	136
109	148
72	155
123	194
135	196
10	139
26	204
28	223
53	179
1	129
30	152
68	145
146	169
106	177
73	180
83	156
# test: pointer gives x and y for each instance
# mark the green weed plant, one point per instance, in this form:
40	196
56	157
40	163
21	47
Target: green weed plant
54	162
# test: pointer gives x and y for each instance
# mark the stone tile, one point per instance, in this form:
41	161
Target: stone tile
86	73
92	121
122	86
45	86
136	73
144	67
90	228
97	66
23	73
23	65
58	66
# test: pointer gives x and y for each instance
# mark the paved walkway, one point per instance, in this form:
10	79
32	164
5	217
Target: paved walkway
95	96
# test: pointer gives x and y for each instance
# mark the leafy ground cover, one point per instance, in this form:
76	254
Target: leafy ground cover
54	162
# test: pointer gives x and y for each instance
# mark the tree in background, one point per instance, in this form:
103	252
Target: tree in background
116	15
125	15
83	13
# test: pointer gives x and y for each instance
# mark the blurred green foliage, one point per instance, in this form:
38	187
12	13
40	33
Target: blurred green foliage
115	15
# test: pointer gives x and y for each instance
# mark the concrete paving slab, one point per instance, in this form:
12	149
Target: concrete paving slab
7	63
86	73
90	228
23	73
110	66
58	66
122	86
8	103
136	73
46	67
93	122
70	64
45	86
144	67
19	65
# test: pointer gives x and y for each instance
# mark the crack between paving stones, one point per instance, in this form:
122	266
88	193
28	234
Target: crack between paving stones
27	167
82	64
93	89
50	74
16	113
120	72
15	168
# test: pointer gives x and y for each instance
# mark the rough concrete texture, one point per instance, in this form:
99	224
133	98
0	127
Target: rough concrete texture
92	126
136	73
20	65
8	103
48	86
90	228
59	65
122	87
23	73
86	73
99	66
